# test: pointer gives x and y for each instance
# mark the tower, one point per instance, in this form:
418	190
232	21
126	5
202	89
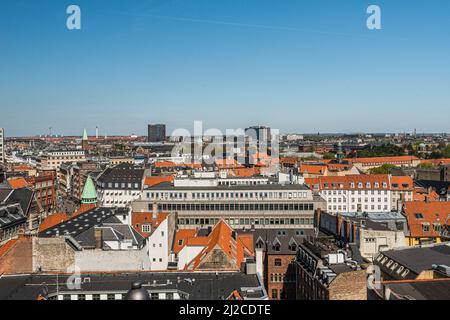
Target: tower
89	195
85	140
340	153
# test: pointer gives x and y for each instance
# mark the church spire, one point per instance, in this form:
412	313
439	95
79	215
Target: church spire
89	195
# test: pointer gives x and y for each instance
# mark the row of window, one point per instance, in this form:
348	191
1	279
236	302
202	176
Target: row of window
247	221
353	208
121	185
226	195
109	296
234	207
336	200
360	185
282	278
352	192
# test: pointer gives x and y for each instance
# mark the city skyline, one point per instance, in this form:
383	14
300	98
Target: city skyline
299	66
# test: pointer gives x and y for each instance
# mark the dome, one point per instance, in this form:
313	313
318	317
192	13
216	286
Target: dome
137	292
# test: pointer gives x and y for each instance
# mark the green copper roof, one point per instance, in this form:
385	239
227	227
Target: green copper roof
89	193
85	135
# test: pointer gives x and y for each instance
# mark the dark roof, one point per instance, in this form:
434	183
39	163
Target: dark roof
123	173
4	193
269	238
197	286
10	215
421	290
441	187
80	227
418	259
24	196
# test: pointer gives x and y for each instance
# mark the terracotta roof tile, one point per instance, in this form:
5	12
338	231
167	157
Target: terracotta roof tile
429	214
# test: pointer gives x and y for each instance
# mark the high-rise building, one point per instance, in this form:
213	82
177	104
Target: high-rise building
156	132
2	145
259	134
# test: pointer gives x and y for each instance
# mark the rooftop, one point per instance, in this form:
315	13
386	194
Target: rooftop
196	286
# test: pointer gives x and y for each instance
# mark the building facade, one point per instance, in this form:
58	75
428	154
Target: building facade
156	132
363	193
204	202
52	160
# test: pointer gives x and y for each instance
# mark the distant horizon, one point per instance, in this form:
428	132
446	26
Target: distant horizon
292	65
282	133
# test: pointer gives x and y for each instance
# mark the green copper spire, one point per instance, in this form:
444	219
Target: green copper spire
85	135
89	193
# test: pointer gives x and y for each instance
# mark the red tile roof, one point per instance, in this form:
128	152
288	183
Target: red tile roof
345	182
141	218
383	160
420	214
402	183
152	181
221	238
312	169
181	238
18	183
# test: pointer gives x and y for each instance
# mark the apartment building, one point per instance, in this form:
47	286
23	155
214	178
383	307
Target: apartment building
52	160
363	193
325	272
365	164
120	185
254	203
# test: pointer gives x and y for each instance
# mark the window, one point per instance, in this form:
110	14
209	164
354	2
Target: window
154	296
277	262
274	294
419	216
146	228
169	296
95	297
111	296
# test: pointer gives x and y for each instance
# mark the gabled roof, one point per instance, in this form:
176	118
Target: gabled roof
222	240
420	214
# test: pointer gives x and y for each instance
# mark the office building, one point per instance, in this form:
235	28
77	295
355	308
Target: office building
156	132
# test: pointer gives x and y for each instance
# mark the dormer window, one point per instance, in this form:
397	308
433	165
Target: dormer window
418	216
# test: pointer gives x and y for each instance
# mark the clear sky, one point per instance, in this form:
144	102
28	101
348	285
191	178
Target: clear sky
296	65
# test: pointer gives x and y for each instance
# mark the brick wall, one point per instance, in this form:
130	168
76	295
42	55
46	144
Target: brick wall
349	286
52	254
281	278
17	259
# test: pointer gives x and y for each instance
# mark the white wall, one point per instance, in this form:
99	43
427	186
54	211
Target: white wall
158	247
99	260
187	254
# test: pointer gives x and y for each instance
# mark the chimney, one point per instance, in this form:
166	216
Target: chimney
98	238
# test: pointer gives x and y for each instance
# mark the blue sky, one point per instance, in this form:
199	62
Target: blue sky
296	65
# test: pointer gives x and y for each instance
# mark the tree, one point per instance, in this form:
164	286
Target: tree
425	166
384	169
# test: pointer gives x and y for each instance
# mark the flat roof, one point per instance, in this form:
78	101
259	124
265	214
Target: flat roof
169	186
198	286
